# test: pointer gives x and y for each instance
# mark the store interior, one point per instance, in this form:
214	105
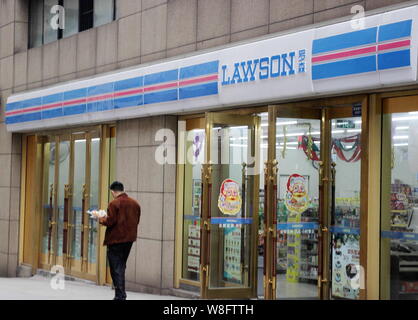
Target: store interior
298	151
399	248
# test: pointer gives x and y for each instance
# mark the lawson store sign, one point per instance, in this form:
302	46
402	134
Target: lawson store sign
323	60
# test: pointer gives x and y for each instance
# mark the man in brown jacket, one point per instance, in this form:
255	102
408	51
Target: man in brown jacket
122	221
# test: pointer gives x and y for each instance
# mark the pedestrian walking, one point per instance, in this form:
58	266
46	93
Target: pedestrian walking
122	219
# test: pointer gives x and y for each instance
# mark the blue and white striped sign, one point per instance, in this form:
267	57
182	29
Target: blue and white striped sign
172	85
369	50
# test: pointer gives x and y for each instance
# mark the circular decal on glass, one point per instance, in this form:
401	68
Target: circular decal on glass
229	201
296	194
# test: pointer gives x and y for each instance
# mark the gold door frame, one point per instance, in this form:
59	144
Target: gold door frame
104	132
329	109
272	168
192	122
370	121
206	292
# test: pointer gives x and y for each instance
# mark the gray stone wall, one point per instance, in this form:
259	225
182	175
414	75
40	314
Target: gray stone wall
13	39
151	263
144	31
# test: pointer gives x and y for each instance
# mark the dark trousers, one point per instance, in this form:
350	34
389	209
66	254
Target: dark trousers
118	254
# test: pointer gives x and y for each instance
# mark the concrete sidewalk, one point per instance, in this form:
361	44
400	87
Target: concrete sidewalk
39	288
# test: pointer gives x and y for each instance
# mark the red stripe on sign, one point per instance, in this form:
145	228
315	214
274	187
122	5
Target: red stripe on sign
344	54
394	45
126	93
11	113
199	80
51	106
160	87
46	107
79	101
102	97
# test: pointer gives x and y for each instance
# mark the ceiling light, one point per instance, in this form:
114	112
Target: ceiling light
285	123
289	143
405	118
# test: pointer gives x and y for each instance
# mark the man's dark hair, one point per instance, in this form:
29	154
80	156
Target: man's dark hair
116	186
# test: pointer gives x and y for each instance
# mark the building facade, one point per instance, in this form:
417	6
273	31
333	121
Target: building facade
291	186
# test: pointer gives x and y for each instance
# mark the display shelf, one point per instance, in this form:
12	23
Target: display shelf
308	280
309	254
402	206
409	293
401	225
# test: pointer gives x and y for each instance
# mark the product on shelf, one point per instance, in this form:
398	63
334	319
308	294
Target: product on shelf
401	205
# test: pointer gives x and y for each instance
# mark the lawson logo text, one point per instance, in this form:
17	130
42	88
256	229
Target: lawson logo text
281	65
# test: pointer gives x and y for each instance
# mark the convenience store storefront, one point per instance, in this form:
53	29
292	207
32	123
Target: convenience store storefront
296	163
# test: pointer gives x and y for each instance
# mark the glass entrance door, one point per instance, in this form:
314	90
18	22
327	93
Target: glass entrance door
294	193
313	203
346	172
399	200
229	216
70	188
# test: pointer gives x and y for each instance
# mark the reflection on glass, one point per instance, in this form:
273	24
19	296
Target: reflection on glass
194	151
260	238
48	205
345	219
298	153
71	17
103	12
35	23
63	179
399	244
50	35
94	199
79	181
232	206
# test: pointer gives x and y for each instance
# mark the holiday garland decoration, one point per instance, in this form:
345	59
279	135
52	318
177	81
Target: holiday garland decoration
392	158
307	143
284	142
309	147
197	145
339	148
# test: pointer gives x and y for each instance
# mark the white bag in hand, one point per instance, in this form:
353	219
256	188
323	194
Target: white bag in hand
96	214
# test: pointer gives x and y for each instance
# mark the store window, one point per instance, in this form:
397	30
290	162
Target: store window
86	14
71	18
50	35
399	220
35	23
193	151
80	15
103	12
